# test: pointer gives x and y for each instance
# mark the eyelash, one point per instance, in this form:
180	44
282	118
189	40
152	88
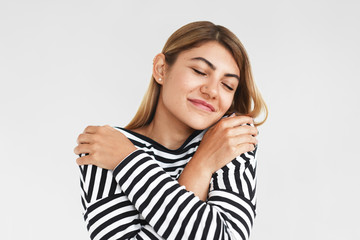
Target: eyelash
228	87
204	74
198	72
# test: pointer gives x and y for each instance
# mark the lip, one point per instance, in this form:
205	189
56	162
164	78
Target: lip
202	104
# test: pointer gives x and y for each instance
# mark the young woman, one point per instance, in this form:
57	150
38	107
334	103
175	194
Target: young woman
185	166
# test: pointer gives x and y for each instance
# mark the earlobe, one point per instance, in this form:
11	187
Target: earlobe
159	68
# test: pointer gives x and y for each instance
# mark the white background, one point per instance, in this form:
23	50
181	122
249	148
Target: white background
67	64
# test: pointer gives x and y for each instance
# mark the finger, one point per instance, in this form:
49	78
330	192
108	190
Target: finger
238	121
240	130
83	148
84	160
84	138
91	129
245	138
246	147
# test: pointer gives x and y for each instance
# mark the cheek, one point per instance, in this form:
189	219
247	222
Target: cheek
175	90
182	82
226	102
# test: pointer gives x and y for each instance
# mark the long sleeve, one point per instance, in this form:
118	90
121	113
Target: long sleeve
107	212
175	213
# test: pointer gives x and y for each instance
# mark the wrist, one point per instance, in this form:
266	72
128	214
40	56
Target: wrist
201	166
196	178
123	155
203	162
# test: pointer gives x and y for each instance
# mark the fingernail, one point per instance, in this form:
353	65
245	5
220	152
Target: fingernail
233	114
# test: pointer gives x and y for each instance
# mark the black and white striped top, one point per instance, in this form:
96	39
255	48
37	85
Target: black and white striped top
142	199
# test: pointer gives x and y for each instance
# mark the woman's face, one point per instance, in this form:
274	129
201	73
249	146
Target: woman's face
199	87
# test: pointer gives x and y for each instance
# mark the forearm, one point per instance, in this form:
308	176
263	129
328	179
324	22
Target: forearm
196	178
175	213
107	212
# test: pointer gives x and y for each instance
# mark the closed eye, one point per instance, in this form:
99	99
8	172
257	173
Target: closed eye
198	72
227	86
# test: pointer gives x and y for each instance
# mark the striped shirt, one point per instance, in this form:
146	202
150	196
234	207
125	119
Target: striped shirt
142	199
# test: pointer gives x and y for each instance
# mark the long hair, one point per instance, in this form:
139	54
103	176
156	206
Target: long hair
247	99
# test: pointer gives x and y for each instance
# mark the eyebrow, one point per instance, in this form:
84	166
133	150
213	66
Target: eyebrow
214	68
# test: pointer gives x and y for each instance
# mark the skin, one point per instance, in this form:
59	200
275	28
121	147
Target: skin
208	74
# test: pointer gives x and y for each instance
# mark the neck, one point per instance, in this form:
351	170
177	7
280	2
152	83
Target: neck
166	129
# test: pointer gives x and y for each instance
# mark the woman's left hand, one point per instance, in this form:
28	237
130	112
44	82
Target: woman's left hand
106	147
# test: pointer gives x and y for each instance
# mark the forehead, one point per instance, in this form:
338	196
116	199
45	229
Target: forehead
215	53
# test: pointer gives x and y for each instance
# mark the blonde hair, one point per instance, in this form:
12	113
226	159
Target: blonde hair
247	99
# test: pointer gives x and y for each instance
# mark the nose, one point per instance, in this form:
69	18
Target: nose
210	89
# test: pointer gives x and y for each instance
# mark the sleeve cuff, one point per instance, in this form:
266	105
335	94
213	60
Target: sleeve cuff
126	161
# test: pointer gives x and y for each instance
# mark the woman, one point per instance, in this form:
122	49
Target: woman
153	179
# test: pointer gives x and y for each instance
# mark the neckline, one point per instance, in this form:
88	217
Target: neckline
160	146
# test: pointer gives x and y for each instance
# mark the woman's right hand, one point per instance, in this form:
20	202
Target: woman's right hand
226	140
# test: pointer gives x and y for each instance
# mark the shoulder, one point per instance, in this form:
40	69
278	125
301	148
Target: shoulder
136	138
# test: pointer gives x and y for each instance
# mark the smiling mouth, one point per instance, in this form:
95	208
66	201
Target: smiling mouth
202	105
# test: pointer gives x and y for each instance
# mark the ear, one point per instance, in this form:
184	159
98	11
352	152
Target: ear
159	67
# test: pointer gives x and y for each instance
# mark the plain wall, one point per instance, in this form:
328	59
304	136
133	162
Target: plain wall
68	64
